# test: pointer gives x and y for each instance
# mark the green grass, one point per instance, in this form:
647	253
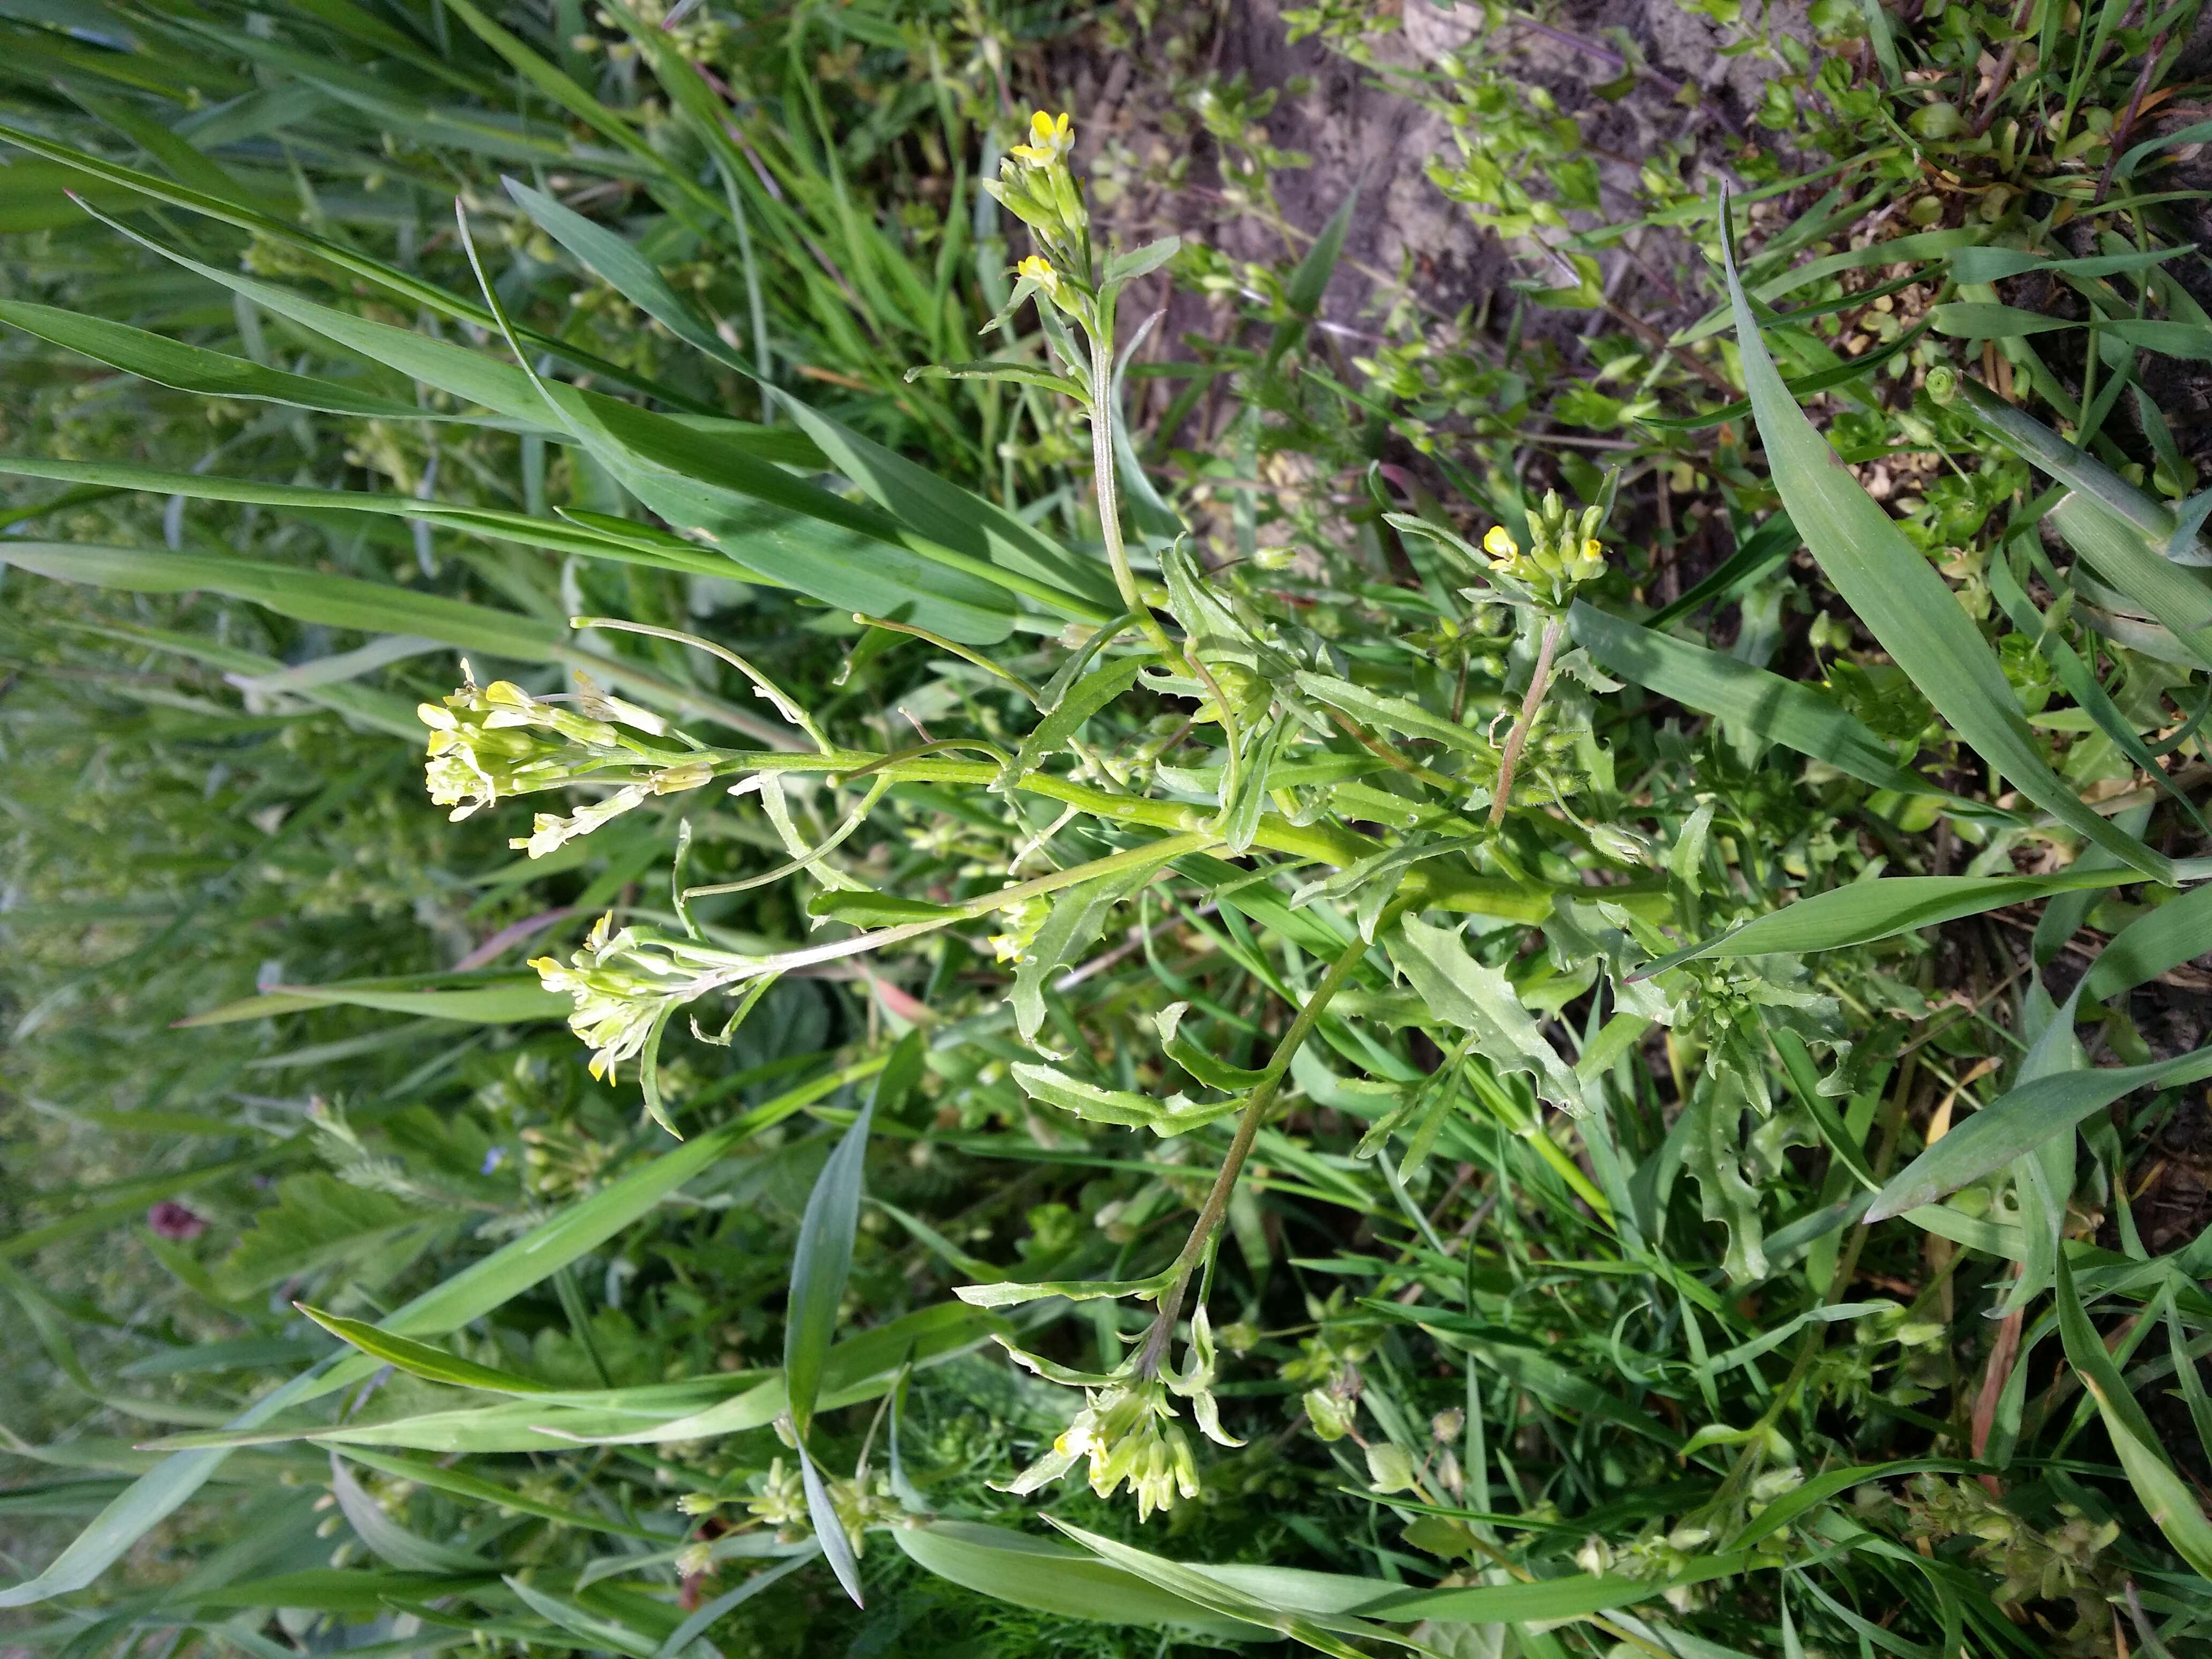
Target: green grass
1497	1018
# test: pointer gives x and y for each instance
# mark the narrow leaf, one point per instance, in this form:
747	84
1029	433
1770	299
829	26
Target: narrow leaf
2018	1121
1896	591
1048	1578
387	1539
824	1254
1781	710
2173	1505
1861	912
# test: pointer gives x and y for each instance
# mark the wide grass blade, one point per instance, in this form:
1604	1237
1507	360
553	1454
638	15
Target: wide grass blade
506	1000
2016	1123
387	1539
2178	597
389	277
1051	1578
197	369
823	1253
1864	911
2179	931
313	595
2173	1507
1781	710
2036	443
630	543
955	519
1896	591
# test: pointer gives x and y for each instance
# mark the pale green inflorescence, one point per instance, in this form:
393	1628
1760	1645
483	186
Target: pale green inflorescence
1128	1428
487	743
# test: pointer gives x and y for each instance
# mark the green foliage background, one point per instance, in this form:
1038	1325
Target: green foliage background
1713	1213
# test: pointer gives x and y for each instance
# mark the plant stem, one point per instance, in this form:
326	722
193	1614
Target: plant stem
1435	885
1538	683
1109	496
1248	1131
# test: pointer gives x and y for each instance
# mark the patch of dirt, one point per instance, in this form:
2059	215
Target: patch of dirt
1360	132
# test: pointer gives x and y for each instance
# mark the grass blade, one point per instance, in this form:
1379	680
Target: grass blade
2179	931
1051	1578
829	1530
824	1254
197	369
1898	594
2016	1123
387	1539
2179	598
1864	911
2161	1491
1781	710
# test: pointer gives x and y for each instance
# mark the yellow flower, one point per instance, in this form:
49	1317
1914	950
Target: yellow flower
1049	140
1039	271
1500	545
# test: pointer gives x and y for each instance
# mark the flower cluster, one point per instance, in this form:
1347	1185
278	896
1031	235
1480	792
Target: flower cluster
625	984
1560	555
1127	1430
550	831
1035	184
779	1501
490	742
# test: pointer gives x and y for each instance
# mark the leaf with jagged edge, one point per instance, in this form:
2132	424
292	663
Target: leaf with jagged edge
1467	996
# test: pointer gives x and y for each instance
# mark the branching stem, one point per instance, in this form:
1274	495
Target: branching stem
1256	1106
1517	740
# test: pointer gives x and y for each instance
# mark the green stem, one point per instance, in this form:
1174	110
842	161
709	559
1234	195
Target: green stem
1434	885
1538	683
1159	852
1248	1131
1109	496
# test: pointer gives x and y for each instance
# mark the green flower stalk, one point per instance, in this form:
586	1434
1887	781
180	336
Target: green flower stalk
1128	1428
625	986
1563	553
1036	185
489	743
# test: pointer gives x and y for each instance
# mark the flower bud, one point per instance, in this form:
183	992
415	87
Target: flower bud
1038	270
